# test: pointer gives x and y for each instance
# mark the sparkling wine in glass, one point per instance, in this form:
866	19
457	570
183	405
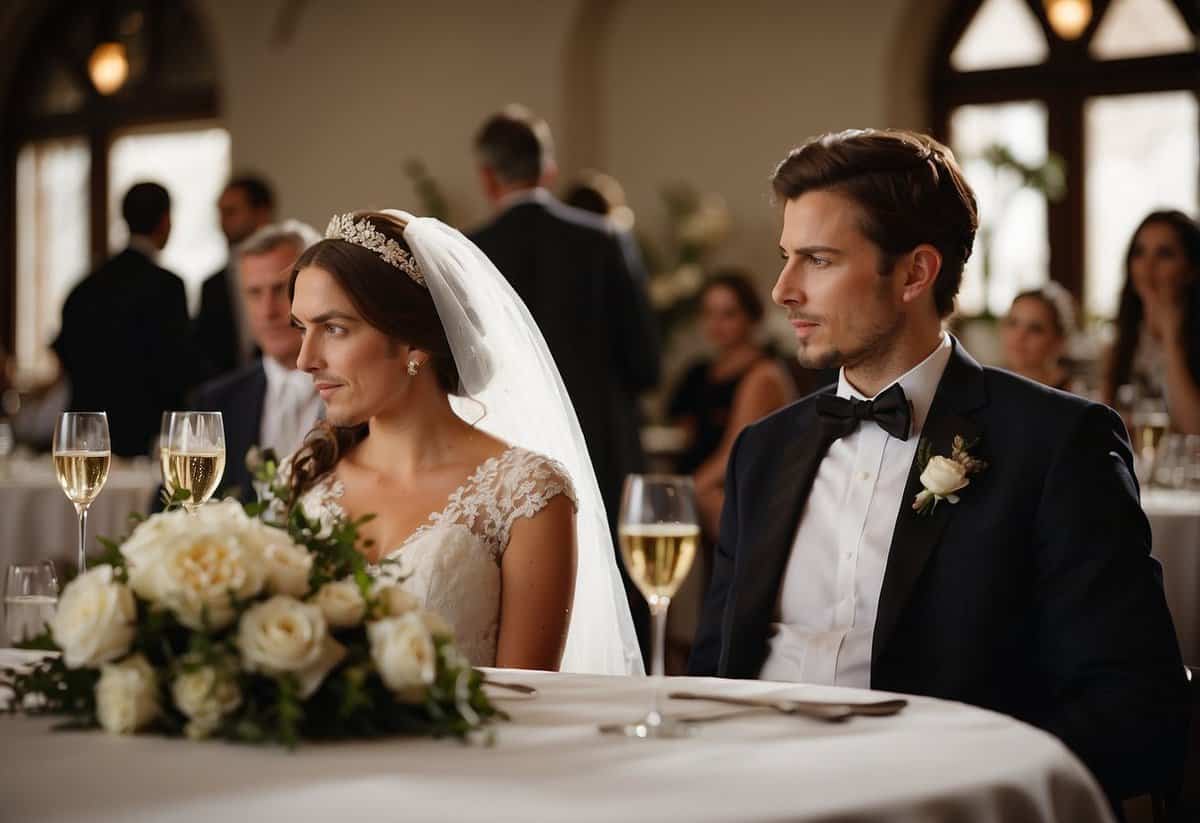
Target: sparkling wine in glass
659	532
193	455
81	458
30	598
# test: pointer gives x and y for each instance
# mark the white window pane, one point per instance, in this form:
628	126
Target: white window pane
193	164
1012	241
52	243
1141	28
1003	33
1142	155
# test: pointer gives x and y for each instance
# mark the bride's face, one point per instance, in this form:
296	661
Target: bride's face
358	370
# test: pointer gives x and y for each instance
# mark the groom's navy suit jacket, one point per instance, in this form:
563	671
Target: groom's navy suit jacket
1035	595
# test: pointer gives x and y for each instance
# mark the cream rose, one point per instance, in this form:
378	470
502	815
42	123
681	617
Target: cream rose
205	697
943	477
404	654
283	635
126	695
196	574
395	601
95	619
437	624
288	567
341	603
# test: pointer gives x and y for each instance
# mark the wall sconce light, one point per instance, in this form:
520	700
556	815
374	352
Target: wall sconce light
1068	18
108	67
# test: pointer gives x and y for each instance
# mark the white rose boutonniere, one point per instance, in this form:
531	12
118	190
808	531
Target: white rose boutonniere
943	477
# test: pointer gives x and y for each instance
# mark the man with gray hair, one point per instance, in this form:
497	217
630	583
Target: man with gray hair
266	403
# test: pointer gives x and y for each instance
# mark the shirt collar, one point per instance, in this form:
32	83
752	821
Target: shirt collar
144	245
537	194
278	375
919	383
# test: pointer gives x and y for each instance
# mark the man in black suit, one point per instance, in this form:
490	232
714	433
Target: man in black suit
124	344
267	403
222	333
928	525
584	289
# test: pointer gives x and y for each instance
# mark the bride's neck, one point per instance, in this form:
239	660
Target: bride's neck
424	434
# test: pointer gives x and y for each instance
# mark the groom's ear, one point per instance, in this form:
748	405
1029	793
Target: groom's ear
920	269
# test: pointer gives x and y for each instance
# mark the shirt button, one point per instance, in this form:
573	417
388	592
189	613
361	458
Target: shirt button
865	475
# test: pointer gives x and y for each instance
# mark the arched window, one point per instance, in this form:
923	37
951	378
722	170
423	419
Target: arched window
105	94
1097	95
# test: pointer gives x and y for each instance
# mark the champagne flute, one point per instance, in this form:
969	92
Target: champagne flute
658	530
193	455
81	456
30	598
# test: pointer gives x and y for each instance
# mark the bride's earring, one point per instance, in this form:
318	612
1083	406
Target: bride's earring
413	368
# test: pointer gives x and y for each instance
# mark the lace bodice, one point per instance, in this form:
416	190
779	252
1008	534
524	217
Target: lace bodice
452	561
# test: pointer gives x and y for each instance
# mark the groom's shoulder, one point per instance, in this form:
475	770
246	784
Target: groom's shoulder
1041	415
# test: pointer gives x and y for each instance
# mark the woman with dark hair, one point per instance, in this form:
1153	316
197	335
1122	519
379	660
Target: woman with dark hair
719	397
1035	333
441	397
1158	322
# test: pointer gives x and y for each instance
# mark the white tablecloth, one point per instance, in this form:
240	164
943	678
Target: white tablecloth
934	761
1175	525
37	522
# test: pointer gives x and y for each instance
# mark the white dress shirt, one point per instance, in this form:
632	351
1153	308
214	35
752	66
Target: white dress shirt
291	407
830	591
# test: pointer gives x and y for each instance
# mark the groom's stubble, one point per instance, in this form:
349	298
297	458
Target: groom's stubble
875	333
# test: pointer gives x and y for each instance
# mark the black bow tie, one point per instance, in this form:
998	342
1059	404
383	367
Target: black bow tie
841	415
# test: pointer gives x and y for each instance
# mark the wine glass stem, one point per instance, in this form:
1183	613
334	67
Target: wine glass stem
658	647
82	539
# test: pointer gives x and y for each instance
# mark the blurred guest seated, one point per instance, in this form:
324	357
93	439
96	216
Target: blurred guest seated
600	193
124	345
1157	347
222	331
1035	334
268	403
717	398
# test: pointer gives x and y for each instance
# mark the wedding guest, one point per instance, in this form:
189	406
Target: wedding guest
124	344
268	403
222	332
931	526
583	287
1035	333
719	396
1158	322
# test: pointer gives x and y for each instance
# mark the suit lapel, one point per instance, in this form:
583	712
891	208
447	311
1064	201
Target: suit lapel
915	537
769	542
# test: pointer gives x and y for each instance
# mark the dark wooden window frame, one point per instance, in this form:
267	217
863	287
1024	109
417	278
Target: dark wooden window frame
1064	82
99	120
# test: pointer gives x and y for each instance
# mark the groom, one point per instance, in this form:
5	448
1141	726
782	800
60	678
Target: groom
1024	582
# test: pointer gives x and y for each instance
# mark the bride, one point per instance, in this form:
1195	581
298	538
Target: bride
447	419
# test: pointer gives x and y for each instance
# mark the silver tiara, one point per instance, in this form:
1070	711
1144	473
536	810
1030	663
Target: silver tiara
362	233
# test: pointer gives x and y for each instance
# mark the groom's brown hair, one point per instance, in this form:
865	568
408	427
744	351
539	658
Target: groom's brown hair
909	187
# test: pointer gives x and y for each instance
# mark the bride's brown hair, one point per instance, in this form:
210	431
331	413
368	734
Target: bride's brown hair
388	300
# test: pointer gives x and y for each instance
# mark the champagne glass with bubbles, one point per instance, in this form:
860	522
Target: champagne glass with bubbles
193	455
659	531
81	457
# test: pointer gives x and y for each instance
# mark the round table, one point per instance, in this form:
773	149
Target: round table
1175	529
934	761
37	522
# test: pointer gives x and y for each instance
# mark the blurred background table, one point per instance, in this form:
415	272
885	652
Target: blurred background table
38	523
1175	525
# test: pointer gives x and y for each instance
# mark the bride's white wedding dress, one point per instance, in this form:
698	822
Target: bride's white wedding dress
451	563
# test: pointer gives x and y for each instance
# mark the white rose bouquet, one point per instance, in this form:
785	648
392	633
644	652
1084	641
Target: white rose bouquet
221	624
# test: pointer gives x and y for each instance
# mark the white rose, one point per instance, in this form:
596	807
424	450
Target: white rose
126	695
943	476
404	654
197	573
288	566
283	635
205	697
95	620
341	603
395	601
